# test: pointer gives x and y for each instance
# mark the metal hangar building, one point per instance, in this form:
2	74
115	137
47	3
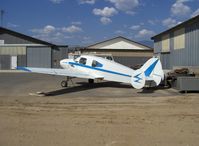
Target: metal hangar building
179	46
124	51
17	49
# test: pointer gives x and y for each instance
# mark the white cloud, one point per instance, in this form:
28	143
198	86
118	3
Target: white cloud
183	1
135	27
125	5
195	13
72	29
76	23
46	30
106	12
49	29
130	13
105	20
48	33
145	34
119	32
55	34
56	1
12	25
86	40
153	22
180	9
87	1
169	22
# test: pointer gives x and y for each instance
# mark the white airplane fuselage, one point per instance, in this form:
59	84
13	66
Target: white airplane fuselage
105	69
93	67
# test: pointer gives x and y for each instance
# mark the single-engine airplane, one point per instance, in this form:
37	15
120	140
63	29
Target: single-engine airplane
93	67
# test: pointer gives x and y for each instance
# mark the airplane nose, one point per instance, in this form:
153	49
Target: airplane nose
61	62
64	63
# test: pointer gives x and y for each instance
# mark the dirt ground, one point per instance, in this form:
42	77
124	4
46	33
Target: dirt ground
70	119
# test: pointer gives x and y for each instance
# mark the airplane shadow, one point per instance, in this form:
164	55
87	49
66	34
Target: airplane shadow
83	86
148	90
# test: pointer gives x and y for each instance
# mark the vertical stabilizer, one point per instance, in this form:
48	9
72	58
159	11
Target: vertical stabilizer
151	71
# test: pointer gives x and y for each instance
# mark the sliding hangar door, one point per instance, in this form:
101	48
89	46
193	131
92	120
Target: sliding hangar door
30	56
39	57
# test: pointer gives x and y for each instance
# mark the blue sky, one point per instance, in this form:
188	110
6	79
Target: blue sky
83	22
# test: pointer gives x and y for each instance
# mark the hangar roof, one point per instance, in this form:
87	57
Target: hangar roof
188	22
26	37
119	43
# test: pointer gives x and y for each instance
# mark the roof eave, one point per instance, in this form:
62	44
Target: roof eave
177	26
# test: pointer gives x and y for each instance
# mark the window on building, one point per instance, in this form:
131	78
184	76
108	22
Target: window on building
12	50
165	43
179	39
82	61
1	42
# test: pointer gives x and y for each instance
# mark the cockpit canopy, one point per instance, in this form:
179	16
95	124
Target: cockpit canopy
84	61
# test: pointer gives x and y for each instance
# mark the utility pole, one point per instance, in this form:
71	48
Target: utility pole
2	12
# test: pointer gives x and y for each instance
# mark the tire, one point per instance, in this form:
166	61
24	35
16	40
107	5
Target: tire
64	83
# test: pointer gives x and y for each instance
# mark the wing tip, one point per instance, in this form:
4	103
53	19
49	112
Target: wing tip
23	68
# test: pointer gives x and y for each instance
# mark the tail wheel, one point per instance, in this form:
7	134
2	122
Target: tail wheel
64	83
90	81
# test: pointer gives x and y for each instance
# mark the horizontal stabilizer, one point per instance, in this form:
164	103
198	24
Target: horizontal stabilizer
138	79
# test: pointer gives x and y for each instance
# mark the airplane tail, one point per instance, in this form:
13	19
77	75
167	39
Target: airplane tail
150	71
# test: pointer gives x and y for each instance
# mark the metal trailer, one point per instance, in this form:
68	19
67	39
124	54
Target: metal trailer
183	80
187	84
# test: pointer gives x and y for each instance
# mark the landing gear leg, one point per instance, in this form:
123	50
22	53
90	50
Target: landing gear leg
65	82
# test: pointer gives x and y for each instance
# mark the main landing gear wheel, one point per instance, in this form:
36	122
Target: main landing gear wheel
90	81
64	83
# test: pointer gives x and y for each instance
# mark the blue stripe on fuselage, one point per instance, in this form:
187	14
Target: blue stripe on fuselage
99	69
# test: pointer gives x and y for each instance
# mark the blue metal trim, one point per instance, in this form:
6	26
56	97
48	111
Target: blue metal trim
149	70
23	68
99	69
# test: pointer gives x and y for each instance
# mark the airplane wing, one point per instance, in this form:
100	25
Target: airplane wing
60	72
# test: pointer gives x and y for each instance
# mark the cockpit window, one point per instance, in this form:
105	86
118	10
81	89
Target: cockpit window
82	61
109	58
96	64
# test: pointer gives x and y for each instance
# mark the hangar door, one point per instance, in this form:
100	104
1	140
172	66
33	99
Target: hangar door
39	57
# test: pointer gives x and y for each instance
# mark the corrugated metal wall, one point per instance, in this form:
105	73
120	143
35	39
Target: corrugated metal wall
130	61
5	56
188	56
192	44
11	39
21	60
12	50
39	57
4	61
59	55
165	60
